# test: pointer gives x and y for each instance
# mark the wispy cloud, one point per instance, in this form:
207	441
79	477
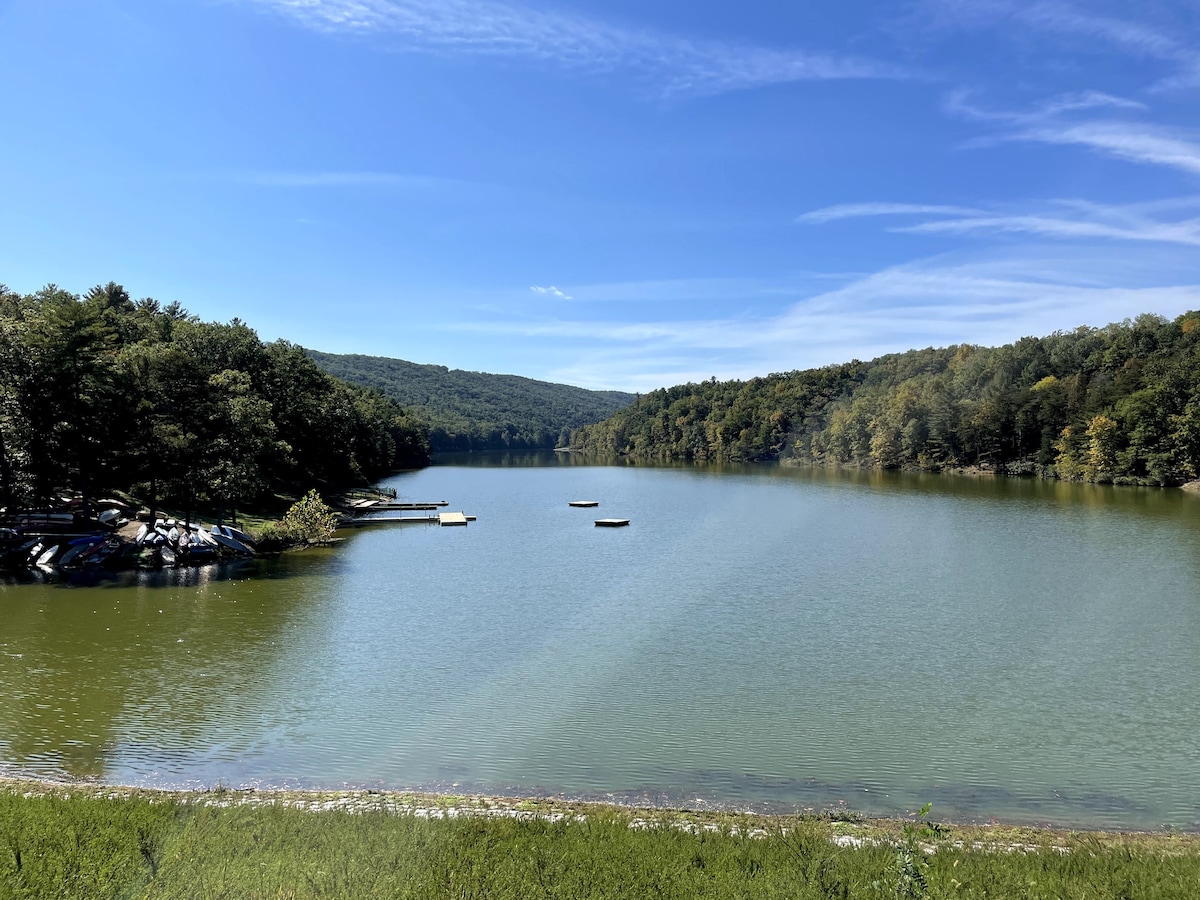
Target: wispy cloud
1055	20
1187	233
1064	219
858	210
485	27
987	298
959	103
1051	123
1135	143
550	291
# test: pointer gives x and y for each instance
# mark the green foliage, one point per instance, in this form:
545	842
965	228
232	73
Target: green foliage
73	847
308	521
912	865
102	393
475	410
160	848
1119	403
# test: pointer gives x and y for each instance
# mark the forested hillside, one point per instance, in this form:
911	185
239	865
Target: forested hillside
100	392
475	410
1120	403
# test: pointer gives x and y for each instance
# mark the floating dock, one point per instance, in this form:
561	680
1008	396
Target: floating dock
363	506
583	503
439	519
611	523
425	504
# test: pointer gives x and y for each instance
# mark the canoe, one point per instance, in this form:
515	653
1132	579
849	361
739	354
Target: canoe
168	556
231	543
236	533
78	547
206	537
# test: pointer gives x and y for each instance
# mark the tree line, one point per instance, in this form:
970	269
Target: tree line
477	410
1118	404
100	392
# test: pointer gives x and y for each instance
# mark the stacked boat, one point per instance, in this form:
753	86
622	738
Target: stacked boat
171	543
65	538
58	550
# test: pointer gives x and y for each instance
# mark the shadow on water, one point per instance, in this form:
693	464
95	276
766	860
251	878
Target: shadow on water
130	681
272	567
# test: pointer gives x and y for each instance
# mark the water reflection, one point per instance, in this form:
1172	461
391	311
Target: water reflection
760	635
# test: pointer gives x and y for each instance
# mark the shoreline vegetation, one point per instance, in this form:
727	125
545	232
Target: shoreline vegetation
1118	404
101	395
83	839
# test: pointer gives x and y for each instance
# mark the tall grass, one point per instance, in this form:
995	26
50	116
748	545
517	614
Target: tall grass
159	847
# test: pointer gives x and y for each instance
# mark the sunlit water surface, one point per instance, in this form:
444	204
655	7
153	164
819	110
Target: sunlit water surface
759	636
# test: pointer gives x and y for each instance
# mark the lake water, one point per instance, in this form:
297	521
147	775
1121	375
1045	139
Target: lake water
759	636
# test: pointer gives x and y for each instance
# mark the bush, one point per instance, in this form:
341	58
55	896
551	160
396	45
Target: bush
309	521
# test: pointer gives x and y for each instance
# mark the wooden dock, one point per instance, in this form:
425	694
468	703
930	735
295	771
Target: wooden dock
386	520
438	519
363	506
424	504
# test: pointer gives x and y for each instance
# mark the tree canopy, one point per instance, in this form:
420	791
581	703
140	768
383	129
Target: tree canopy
101	392
1119	403
476	410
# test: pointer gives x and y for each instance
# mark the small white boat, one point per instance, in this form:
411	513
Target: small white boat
44	559
168	556
141	534
611	523
236	533
583	503
231	543
206	537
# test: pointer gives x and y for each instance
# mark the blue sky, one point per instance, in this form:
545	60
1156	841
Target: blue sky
616	195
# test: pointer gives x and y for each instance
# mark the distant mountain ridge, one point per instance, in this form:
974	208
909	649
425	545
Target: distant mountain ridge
476	410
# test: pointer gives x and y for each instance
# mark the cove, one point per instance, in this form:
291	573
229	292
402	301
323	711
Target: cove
759	636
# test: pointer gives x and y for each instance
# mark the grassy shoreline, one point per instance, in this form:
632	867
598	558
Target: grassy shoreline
87	840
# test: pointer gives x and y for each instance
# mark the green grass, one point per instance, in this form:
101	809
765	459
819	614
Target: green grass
149	845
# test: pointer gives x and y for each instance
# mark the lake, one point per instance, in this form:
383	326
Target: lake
760	637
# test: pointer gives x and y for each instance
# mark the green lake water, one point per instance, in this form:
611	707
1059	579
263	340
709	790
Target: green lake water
759	636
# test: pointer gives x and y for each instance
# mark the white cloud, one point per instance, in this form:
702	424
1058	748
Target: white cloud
487	27
1066	219
858	210
1136	37
550	291
1141	144
958	103
1055	20
985	298
1187	233
1048	124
